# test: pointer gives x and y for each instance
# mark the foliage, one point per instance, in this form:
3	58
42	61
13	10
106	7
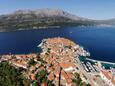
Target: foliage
31	62
22	21
42	77
34	83
10	76
78	80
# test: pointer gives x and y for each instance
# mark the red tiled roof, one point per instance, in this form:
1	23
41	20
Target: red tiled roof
51	76
107	74
113	81
67	64
69	81
66	75
50	68
43	84
33	77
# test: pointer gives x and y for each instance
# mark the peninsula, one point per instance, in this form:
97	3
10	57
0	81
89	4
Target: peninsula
61	63
55	65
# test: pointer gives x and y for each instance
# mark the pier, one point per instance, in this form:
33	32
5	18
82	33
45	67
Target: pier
101	61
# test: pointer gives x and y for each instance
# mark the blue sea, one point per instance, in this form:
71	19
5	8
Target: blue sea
99	41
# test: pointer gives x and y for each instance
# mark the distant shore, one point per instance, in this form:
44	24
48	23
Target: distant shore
33	28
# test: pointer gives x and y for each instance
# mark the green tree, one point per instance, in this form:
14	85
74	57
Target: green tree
31	62
42	77
10	76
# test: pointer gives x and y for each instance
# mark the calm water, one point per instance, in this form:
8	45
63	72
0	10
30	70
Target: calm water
99	41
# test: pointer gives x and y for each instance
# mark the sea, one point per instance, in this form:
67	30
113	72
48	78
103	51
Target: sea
98	40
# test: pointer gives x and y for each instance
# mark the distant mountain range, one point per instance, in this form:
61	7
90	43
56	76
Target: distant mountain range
45	18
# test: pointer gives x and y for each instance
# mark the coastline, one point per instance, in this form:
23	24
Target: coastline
33	28
101	64
60	54
50	27
82	44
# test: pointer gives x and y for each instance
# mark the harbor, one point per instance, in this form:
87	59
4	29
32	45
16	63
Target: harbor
101	64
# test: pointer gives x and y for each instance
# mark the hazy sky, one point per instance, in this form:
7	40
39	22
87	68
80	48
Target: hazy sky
95	9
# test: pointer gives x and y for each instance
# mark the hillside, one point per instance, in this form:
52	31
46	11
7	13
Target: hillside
41	18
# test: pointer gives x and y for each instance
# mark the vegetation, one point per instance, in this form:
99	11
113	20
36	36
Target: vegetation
42	77
26	21
31	62
10	76
78	80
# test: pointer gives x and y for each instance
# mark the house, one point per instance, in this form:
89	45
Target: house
108	77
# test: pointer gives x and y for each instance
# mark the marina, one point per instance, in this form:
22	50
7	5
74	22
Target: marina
91	65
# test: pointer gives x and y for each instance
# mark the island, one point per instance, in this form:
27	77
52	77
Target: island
45	18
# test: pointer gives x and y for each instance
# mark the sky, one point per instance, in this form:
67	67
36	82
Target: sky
93	9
